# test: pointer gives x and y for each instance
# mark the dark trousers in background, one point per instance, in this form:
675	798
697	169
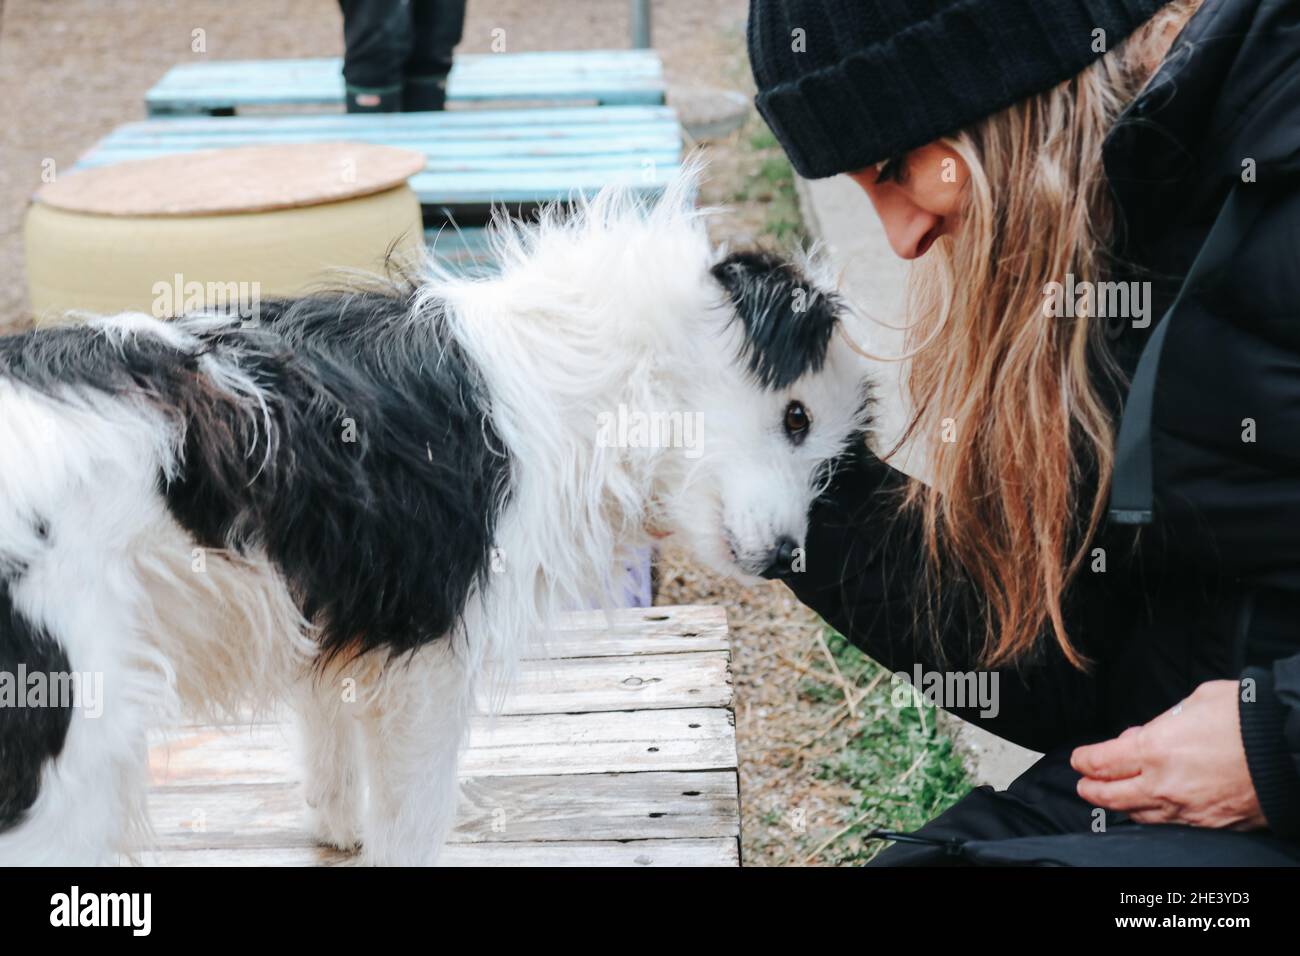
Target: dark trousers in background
399	52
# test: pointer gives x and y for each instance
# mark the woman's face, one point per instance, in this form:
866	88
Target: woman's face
917	197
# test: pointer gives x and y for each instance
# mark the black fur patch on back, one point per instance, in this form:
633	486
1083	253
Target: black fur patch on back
377	488
788	321
29	736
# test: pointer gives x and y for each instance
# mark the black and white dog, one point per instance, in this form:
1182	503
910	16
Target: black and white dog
386	492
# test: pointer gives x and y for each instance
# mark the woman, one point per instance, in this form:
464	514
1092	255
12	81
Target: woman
1111	520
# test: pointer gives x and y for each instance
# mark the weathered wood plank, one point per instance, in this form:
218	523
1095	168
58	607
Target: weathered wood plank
669	805
440	152
606	76
593	684
645	682
722	851
519	122
522	745
652	782
524	186
624	632
465	165
533	61
623	642
649	622
618	742
599	807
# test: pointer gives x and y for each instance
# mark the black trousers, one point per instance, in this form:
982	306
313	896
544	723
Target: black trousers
400	50
1041	821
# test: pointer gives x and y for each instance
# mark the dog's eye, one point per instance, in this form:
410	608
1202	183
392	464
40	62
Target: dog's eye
796	422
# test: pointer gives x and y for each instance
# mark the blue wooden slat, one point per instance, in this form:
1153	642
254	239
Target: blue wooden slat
612	77
534	185
451	121
504	165
465	240
612	91
464	250
635	145
437	150
528	187
323	73
532	62
465	166
462	247
612	138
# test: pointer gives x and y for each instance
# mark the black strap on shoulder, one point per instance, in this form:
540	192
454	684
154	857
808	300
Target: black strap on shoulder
1132	497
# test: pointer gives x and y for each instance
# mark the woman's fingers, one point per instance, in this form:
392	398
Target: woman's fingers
1186	766
1116	759
1129	796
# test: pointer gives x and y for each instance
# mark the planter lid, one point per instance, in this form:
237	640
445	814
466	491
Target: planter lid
237	180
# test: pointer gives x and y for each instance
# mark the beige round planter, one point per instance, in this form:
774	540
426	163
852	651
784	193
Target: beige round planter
222	228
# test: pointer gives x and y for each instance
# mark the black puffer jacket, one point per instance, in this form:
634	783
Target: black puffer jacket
1210	588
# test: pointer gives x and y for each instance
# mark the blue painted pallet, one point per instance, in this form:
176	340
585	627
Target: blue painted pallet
608	77
473	158
465	249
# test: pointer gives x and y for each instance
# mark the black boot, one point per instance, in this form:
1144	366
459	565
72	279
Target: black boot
420	93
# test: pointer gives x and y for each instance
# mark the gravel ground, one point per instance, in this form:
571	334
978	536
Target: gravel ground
71	71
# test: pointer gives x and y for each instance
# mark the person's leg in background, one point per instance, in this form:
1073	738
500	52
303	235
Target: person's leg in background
377	41
436	28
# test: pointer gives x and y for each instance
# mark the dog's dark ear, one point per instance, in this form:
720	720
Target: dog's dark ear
787	321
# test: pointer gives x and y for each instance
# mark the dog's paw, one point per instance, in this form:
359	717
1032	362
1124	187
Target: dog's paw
398	856
386	845
335	827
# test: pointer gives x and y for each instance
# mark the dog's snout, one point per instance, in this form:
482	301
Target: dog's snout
782	558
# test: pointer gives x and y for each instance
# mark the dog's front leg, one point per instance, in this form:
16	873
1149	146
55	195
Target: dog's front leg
326	707
414	729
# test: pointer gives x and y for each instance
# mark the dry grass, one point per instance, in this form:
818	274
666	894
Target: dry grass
829	747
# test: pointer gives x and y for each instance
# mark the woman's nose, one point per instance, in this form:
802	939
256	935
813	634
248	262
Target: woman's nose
910	229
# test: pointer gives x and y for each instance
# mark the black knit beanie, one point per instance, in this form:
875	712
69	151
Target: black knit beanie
847	83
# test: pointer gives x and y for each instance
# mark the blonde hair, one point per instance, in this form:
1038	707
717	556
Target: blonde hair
1007	408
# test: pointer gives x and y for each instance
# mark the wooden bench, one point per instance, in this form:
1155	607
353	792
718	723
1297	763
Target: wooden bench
618	750
606	77
464	249
475	157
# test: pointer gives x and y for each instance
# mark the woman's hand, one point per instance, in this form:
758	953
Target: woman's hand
1186	766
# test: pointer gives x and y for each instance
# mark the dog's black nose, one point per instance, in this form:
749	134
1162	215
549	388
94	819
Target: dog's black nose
782	560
